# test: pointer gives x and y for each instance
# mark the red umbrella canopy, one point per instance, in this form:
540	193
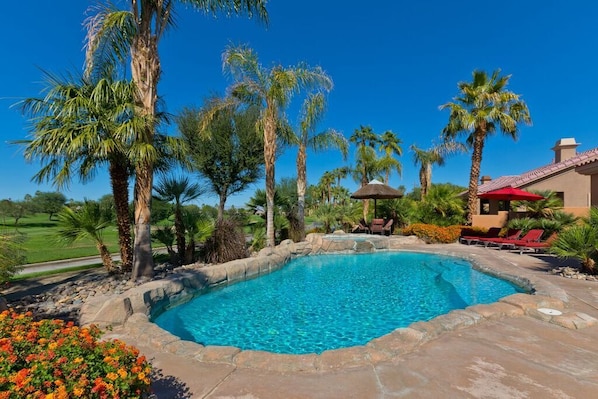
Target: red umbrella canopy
511	194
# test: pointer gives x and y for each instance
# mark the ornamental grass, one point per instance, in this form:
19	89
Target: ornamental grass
52	359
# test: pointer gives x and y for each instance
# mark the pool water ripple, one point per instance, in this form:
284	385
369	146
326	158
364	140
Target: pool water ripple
316	303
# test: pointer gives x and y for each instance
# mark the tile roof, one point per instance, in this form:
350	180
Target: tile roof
539	173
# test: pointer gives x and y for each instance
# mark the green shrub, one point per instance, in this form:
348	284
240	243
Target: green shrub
54	359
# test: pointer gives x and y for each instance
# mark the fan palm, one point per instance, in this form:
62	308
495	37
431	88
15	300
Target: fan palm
271	89
483	107
88	222
81	125
578	242
114	35
178	191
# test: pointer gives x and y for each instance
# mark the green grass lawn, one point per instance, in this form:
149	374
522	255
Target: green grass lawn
41	244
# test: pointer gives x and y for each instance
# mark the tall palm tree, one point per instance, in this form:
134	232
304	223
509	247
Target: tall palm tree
367	160
430	157
114	35
178	191
88	222
81	125
367	163
312	112
482	107
390	145
273	89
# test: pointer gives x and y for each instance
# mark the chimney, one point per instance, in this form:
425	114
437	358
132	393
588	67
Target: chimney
485	179
564	149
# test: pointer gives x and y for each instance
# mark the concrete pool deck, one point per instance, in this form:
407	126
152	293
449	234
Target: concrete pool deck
503	350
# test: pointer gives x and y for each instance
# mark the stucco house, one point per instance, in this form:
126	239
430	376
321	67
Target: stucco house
572	176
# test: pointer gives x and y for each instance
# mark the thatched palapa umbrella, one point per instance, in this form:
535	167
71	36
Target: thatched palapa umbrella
376	190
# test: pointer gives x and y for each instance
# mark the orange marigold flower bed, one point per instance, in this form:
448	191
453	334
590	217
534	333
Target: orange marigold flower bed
434	234
54	359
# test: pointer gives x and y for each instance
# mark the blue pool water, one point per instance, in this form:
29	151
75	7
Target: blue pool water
316	303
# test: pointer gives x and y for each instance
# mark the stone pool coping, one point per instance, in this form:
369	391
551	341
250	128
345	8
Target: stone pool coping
130	311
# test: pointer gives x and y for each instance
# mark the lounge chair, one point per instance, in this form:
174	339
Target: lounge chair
377	226
387	229
512	234
537	246
492	232
362	227
534	235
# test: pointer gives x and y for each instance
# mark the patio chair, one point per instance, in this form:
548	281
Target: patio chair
387	229
362	227
492	232
377	226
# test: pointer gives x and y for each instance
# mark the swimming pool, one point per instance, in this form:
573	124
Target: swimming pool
316	303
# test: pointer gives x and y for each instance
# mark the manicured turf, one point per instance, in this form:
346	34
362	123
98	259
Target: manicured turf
41	244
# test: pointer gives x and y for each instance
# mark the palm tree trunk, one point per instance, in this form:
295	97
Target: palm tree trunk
105	255
301	188
269	160
145	69
119	178
474	176
221	203
179	228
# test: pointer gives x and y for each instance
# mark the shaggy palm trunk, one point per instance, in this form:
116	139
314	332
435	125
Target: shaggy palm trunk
106	257
301	188
474	176
425	173
269	160
119	178
145	69
179	228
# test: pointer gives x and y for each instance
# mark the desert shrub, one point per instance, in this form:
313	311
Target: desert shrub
54	359
434	234
226	243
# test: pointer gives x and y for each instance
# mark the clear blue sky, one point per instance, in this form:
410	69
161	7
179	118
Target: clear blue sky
393	63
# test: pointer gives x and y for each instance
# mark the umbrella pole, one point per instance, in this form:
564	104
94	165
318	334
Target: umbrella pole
375	209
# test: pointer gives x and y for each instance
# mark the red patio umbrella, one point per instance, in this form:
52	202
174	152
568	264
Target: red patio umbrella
511	194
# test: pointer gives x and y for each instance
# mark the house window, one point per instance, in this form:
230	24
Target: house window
484	207
561	196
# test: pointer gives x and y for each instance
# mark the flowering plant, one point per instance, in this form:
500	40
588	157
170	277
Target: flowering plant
434	234
52	359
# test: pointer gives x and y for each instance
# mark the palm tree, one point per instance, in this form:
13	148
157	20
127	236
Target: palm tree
88	222
578	242
483	107
179	191
390	145
326	181
367	164
114	35
340	173
80	126
272	89
312	112
432	156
